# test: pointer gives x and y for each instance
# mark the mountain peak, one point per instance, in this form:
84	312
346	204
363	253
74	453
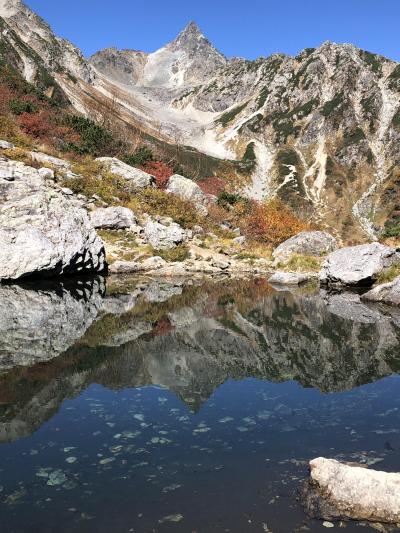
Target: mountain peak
192	41
190	32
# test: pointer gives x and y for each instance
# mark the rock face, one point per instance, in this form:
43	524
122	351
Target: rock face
314	243
163	237
112	218
42	232
341	491
358	265
188	190
135	176
388	293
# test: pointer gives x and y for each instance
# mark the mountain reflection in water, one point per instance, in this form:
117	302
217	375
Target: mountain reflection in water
61	340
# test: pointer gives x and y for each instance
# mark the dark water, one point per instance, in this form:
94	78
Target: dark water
156	406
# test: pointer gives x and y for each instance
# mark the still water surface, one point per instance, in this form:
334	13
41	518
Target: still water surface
153	406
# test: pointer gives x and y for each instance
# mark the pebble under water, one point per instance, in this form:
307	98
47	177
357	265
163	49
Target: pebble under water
152	406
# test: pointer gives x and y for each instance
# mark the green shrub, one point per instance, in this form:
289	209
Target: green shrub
94	139
142	156
353	137
301	263
230	115
178	254
329	107
225	198
17	107
388	275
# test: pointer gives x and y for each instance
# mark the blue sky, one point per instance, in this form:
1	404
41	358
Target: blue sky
247	28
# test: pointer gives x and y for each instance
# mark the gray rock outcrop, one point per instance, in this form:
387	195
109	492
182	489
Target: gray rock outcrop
313	243
188	190
388	293
339	491
43	232
358	265
40	157
137	178
112	218
162	237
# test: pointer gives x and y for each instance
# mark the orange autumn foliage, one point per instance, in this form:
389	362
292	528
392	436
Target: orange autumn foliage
272	222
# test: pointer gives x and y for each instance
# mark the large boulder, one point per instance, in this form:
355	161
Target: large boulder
188	190
312	243
137	178
40	157
112	218
42	231
338	491
388	293
358	265
163	237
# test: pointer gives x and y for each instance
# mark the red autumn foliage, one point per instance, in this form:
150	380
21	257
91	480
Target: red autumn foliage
272	223
36	125
162	327
161	171
212	185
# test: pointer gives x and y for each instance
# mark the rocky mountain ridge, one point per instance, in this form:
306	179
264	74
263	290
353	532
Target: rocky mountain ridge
320	130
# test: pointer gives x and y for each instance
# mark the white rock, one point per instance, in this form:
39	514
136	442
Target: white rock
153	263
239	240
124	267
291	278
46	173
358	493
312	243
163	237
5	145
112	218
358	265
137	177
188	190
388	293
222	265
42	232
40	157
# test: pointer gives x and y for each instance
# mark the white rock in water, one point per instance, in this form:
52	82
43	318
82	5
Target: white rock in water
112	218
290	278
358	493
163	237
358	265
188	190
43	232
388	293
312	243
137	177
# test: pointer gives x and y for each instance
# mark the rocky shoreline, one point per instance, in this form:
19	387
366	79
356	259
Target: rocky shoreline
48	231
